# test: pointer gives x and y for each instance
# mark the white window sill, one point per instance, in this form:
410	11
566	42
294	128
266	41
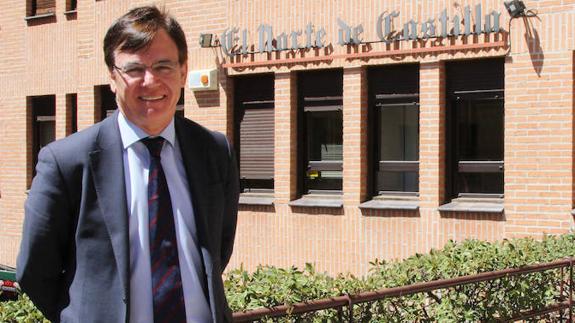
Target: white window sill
318	200
474	205
391	204
38	17
256	199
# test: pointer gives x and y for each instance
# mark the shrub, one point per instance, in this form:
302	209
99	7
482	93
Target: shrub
20	311
487	301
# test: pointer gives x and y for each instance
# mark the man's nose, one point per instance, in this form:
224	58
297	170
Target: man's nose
150	77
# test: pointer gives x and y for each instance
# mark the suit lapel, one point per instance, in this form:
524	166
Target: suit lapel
193	154
108	169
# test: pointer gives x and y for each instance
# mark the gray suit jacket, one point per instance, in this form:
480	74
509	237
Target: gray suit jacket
74	256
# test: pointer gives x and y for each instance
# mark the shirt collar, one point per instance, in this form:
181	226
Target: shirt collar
131	133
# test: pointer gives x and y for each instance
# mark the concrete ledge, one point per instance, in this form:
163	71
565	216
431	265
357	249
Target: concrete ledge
256	199
318	201
475	206
37	17
377	204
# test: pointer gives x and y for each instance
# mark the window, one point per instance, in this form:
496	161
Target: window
71	5
394	117
72	112
43	124
254	136
475	126
40	7
105	100
320	132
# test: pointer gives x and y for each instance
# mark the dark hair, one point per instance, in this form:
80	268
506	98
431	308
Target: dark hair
136	30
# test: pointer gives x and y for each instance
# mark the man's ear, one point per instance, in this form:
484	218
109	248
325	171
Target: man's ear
112	79
184	75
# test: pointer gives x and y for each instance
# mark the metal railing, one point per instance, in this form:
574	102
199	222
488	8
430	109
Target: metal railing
346	302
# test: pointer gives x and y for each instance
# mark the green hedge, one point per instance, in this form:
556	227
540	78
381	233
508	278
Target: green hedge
21	311
481	302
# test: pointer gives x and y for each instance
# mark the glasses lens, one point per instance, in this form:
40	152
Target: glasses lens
164	68
134	70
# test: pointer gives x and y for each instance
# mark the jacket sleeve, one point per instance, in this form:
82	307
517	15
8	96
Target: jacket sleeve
41	261
231	206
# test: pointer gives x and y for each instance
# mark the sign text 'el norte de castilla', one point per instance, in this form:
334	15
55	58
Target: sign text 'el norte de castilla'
234	42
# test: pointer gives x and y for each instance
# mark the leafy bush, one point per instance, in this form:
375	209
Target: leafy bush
479	302
487	301
21	311
269	286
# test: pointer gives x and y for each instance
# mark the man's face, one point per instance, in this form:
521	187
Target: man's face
147	83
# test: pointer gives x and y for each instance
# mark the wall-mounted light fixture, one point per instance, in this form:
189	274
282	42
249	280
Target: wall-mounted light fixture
516	8
206	40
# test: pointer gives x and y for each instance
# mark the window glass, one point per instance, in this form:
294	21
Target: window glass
324	150
72	110
40	7
106	99
46	132
71	5
480	128
479	139
399	135
480	183
398	141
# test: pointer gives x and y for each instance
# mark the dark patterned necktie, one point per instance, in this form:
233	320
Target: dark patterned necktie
167	289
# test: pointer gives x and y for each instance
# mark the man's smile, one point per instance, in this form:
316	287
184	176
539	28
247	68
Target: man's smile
152	98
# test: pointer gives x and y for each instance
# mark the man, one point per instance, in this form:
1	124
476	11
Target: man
133	219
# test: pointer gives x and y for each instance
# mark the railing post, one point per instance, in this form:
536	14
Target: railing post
561	291
571	289
350	308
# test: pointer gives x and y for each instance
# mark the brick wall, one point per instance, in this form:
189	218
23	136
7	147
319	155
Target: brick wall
63	56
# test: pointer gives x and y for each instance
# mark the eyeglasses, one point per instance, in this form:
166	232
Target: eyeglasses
137	70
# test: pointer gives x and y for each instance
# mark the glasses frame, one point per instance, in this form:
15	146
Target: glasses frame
153	68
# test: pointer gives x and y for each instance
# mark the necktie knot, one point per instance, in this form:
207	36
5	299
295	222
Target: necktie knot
154	145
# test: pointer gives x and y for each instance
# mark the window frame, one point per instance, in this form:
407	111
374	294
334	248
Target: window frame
32	9
318	97
459	93
247	96
387	93
43	113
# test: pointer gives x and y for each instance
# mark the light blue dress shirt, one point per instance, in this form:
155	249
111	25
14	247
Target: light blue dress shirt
136	161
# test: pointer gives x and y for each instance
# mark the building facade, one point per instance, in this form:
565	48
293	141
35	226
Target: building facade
364	129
